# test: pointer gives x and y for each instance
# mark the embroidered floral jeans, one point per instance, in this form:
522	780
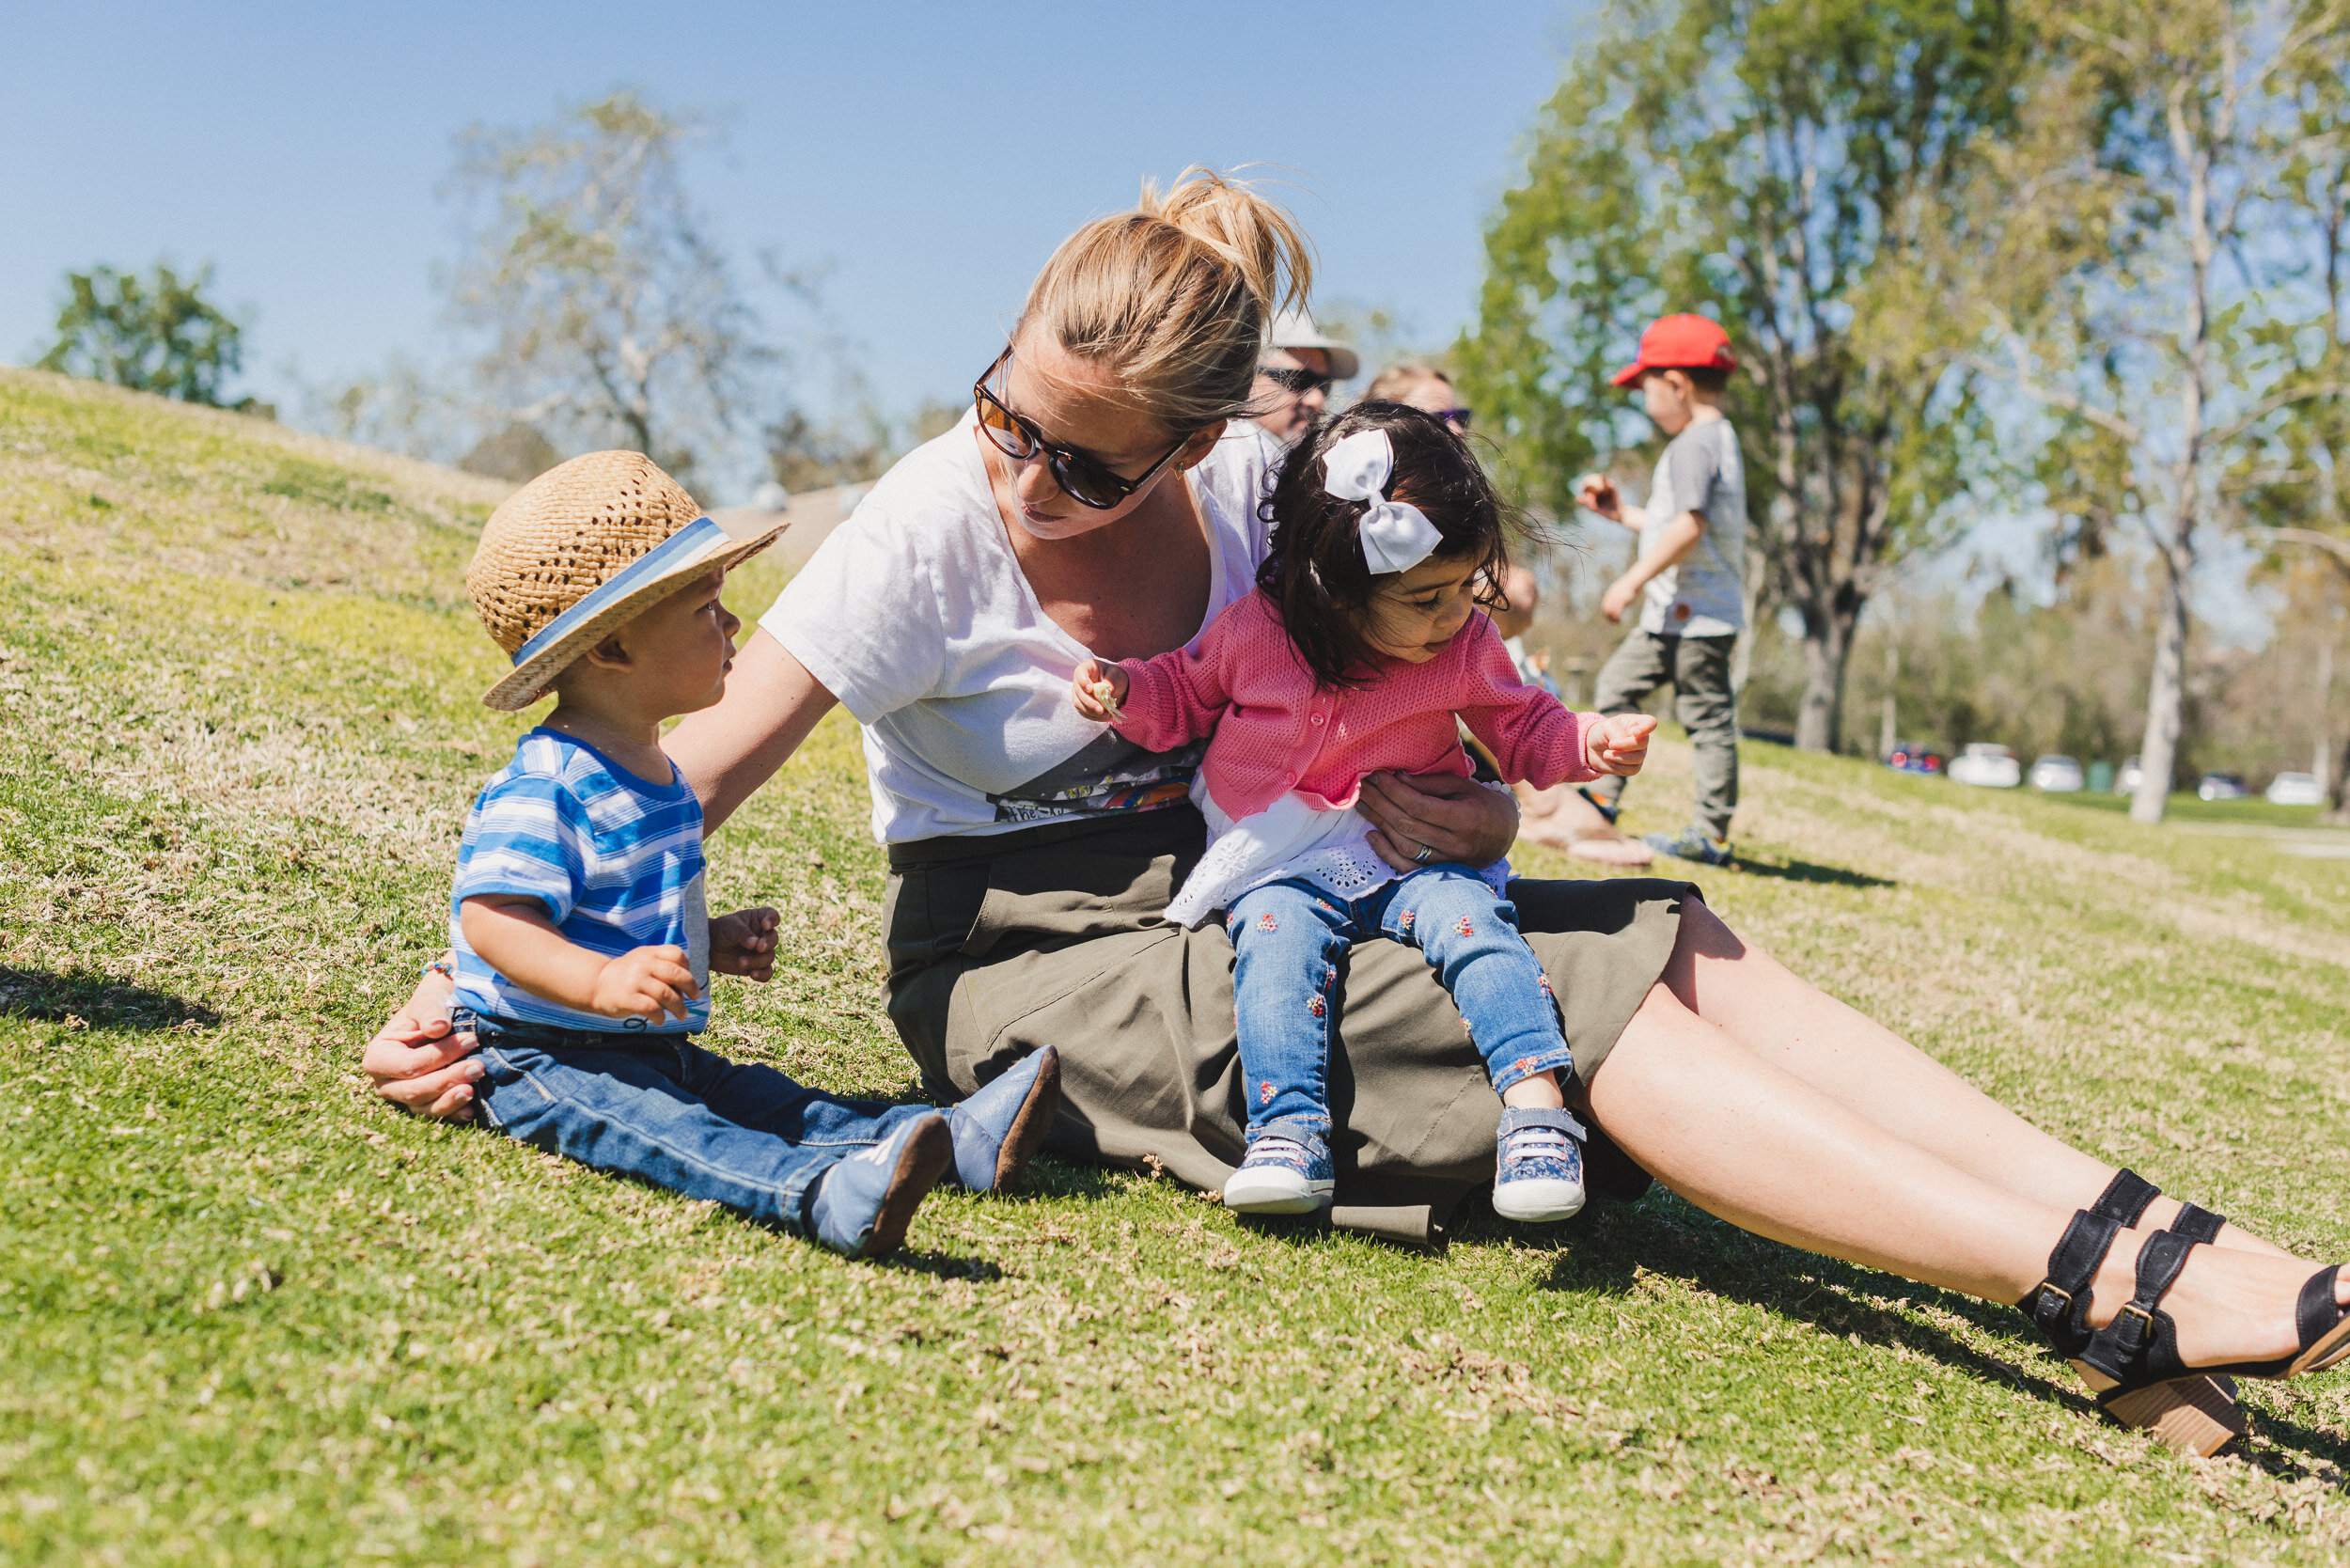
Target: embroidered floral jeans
1288	937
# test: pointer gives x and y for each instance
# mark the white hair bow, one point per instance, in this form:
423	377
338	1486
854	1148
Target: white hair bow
1396	535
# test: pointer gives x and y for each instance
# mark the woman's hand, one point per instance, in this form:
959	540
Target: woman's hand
418	1064
1618	743
1454	817
1099	692
743	943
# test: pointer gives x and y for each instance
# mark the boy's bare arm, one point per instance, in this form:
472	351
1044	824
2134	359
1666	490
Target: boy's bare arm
1598	492
1660	549
513	936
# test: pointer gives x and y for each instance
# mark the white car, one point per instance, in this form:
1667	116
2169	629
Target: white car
1988	765
2296	789
2125	782
2056	775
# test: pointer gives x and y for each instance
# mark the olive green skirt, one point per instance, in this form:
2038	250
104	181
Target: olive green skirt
1057	936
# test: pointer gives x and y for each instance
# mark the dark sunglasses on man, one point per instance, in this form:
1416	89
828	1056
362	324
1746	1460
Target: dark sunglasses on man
1082	477
1296	377
1457	418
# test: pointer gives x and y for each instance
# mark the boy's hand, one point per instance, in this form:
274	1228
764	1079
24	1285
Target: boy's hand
1597	492
645	982
1100	691
1619	743
743	943
1618	597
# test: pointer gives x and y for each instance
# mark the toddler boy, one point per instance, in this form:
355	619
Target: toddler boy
582	945
1691	571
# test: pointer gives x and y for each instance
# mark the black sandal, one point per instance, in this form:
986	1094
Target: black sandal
2129	1196
2192	1412
2139	1348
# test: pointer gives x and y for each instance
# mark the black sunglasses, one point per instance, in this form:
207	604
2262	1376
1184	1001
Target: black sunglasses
1296	377
1455	416
1082	477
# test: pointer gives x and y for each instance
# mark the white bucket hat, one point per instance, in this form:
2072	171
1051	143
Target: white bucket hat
1294	329
583	549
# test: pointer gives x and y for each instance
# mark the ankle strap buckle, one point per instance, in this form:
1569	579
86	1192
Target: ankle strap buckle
2135	1339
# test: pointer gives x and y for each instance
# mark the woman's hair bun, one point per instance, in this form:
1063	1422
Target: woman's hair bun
1176	294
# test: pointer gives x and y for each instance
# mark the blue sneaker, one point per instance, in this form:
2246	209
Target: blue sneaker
1538	1165
1287	1171
861	1205
997	1129
1690	843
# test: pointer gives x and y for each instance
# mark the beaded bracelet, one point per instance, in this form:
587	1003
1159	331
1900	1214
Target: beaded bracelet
444	966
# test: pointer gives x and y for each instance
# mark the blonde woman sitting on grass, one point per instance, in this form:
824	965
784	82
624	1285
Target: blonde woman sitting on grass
1104	500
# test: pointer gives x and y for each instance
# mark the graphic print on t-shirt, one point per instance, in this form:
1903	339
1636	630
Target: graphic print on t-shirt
1111	775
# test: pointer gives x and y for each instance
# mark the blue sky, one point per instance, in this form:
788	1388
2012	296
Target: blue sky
930	155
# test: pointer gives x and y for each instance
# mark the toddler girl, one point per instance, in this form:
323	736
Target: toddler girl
1362	642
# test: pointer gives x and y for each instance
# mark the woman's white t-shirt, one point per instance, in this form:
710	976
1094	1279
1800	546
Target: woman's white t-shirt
915	614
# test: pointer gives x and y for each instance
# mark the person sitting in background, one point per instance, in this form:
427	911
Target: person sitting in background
1563	816
1416	383
1294	373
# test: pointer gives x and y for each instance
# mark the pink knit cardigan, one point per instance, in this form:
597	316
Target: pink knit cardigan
1274	731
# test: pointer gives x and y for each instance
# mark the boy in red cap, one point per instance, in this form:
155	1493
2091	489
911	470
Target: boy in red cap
1691	571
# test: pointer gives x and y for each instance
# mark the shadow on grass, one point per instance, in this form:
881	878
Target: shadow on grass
1804	871
98	1000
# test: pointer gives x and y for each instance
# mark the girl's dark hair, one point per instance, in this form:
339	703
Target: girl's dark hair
1315	573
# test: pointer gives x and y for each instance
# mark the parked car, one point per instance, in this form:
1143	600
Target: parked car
2296	789
2056	775
1988	765
2125	782
1914	756
2221	786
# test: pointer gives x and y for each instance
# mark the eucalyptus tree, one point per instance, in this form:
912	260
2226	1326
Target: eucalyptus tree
610	311
2149	283
1788	165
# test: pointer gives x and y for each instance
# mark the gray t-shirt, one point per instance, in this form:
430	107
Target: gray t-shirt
1705	595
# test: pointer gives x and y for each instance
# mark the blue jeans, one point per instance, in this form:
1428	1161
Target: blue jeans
661	1109
1289	936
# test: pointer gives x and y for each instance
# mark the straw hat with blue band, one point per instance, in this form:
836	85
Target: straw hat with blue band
583	549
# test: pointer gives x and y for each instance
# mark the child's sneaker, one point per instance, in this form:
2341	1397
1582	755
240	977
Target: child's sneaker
861	1205
1538	1165
1287	1173
1690	843
997	1129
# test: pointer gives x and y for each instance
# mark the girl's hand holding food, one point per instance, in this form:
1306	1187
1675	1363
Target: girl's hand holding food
1099	692
1619	743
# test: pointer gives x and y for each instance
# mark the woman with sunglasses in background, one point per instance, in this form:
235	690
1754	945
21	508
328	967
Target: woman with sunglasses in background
1416	383
1102	500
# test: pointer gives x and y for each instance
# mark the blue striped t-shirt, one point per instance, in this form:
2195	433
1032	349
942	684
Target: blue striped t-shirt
616	860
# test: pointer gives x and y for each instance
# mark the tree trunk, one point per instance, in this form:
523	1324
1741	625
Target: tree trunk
1826	649
2337	807
1889	722
2159	753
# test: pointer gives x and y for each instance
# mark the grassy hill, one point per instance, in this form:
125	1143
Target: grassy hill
249	1315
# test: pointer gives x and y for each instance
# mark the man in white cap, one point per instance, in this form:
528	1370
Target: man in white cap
1294	373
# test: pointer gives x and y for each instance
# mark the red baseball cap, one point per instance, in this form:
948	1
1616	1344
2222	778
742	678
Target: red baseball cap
1680	343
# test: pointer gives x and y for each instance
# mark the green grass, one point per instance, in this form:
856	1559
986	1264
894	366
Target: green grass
249	1315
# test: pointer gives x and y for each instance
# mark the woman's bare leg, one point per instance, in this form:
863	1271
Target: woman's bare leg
1741	1138
1869	1069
